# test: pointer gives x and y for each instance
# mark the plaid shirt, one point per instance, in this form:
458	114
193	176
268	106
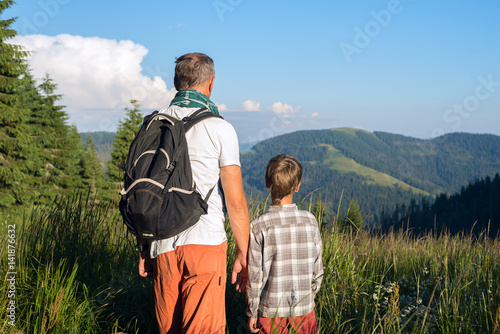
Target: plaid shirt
285	266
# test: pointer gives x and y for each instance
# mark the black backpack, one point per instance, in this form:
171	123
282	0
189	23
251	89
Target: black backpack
159	198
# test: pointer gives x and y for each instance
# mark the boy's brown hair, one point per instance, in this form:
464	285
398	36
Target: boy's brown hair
283	175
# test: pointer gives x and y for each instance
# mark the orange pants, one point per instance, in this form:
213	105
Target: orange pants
189	284
305	324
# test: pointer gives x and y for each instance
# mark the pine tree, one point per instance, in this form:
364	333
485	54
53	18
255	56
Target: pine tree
90	167
36	165
73	153
354	218
127	129
63	143
56	147
14	138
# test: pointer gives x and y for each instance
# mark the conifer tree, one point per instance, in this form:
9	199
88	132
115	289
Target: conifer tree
62	143
127	129
56	147
354	218
37	166
14	138
90	167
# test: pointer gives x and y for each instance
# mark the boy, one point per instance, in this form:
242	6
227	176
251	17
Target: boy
285	266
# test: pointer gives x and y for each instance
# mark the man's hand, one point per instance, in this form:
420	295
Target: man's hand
145	264
252	325
240	267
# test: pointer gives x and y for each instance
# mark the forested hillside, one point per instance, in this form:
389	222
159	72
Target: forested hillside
42	157
378	169
476	209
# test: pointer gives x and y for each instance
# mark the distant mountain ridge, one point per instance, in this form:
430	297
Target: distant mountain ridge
379	169
103	142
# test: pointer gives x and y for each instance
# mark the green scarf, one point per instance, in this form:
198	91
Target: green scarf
188	98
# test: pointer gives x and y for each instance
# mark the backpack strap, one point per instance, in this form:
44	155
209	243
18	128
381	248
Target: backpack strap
156	116
196	117
209	193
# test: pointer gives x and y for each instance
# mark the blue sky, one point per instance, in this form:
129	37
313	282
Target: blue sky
418	68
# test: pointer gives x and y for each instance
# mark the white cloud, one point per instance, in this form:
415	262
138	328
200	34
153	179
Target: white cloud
284	109
315	114
221	107
95	74
250	105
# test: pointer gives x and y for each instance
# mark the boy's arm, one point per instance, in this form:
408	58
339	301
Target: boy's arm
237	211
255	275
318	264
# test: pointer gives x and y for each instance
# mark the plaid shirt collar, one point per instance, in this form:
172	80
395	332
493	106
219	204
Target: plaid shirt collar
286	207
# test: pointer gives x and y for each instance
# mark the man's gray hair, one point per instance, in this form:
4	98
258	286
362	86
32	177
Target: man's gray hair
193	69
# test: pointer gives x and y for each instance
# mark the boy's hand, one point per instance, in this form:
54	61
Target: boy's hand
252	325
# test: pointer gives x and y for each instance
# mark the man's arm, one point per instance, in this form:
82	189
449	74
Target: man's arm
237	210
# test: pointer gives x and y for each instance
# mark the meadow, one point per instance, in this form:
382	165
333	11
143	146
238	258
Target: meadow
76	272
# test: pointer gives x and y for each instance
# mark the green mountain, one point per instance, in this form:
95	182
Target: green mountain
378	169
103	142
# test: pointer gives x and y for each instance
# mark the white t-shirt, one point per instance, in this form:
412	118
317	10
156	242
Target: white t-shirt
212	144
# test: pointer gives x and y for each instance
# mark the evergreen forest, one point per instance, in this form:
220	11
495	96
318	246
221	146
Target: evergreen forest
475	209
42	156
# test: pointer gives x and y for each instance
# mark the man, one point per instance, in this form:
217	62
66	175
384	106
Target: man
189	269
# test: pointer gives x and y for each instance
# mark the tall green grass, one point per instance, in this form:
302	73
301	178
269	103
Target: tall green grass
399	283
77	273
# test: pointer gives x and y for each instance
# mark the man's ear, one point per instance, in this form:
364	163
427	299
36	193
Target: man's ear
211	84
297	188
176	83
